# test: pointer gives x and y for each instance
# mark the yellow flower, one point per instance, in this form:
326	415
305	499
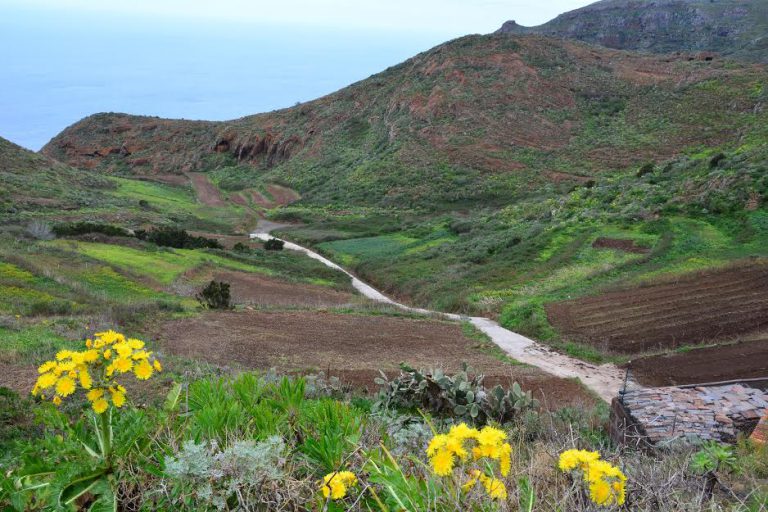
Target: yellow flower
157	366
46	367
335	484
122	365
90	356
118	398
143	370
505	460
572	459
473	476
57	401
85	379
122	349
65	386
607	484
107	354
135	344
442	463
491	436
46	381
462	432
140	354
63	354
94	394
494	487
100	405
89	343
436	444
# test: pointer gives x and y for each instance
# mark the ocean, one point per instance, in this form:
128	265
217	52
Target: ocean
56	69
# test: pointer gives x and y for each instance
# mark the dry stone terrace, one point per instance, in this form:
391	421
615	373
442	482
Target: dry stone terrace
663	415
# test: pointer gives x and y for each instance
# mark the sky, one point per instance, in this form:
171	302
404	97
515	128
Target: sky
201	59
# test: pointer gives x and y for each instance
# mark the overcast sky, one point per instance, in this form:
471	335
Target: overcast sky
450	17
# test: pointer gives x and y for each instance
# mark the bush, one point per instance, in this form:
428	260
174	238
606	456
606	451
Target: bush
241	247
82	228
273	244
215	296
177	238
40	230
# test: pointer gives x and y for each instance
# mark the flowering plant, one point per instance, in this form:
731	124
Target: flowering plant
335	485
485	447
96	370
606	482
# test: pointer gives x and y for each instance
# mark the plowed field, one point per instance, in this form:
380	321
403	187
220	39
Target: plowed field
351	346
700	308
712	364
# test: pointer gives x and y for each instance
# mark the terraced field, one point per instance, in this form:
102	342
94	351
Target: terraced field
704	307
744	360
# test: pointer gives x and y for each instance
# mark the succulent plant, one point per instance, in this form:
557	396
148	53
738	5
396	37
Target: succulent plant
461	395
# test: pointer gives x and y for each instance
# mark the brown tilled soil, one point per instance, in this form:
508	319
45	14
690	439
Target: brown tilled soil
704	307
18	378
744	360
206	192
350	346
248	288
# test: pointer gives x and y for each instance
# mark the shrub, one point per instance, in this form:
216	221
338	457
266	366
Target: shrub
40	230
177	238
646	169
246	474
273	244
715	160
215	296
240	247
82	228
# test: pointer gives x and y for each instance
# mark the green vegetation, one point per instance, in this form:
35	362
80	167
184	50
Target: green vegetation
683	215
243	442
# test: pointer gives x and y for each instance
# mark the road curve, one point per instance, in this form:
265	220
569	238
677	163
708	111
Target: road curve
604	380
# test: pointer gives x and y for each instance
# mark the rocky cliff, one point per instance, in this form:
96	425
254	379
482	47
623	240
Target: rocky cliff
736	28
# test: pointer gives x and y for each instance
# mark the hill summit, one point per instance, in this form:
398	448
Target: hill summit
736	28
478	119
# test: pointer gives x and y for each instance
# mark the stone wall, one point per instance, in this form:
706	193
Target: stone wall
656	416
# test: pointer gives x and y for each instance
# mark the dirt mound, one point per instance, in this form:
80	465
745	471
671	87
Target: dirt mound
699	308
352	346
712	364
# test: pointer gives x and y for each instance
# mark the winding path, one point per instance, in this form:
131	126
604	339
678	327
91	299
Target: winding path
605	380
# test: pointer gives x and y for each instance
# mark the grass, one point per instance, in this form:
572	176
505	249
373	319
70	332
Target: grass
161	265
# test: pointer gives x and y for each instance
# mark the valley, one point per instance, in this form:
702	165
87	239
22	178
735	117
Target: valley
511	231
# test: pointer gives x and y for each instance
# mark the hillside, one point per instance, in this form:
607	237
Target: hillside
478	120
736	28
34	183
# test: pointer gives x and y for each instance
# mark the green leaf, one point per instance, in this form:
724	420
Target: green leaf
527	496
172	399
80	486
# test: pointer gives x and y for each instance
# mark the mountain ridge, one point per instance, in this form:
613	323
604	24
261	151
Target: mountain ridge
475	119
734	28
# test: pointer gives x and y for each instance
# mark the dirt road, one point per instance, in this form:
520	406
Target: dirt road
604	380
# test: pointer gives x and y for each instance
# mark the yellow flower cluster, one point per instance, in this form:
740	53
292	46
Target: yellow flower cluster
607	484
336	484
462	443
95	370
